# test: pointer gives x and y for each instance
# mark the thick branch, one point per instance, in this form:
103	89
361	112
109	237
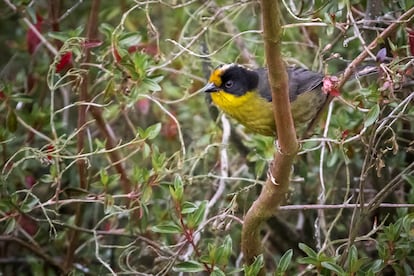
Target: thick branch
277	184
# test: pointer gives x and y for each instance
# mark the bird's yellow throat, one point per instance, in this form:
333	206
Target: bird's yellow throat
250	109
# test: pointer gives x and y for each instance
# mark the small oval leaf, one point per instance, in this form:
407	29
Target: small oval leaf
189	267
11	121
167	228
372	115
284	262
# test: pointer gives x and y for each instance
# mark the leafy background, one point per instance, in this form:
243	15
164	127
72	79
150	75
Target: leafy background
114	162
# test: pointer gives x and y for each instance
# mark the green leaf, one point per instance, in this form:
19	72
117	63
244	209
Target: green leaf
109	90
212	253
221	256
146	151
63	36
369	273
29	204
206	259
372	115
153	131
150	132
255	267
146	194
58	36
352	258
235	271
31	11
217	272
177	189
308	260
106	29
99	144
188	207
226	251
189	267
10	226
129	39
130	68
399	269
194	219
53	170
104	177
151	84
404	5
20	97
11	121
333	267
157	159
140	175
167	228
113	180
309	251
284	262
409	179
260	166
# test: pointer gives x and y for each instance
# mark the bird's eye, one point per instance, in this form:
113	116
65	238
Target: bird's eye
229	84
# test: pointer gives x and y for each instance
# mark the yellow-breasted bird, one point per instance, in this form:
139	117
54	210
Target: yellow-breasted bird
244	94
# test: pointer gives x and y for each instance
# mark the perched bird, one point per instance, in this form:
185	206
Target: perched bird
244	94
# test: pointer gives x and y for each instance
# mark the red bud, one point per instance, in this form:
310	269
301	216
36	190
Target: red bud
65	59
28	224
32	40
116	55
330	85
2	96
92	43
50	148
143	106
169	129
345	134
29	181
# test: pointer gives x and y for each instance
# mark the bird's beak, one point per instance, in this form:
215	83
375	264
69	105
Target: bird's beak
210	87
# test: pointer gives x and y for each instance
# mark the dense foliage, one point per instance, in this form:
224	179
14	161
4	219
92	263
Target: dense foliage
113	162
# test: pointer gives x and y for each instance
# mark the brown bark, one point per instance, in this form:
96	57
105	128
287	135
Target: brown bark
277	183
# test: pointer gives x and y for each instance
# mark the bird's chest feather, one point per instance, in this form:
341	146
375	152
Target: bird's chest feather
251	110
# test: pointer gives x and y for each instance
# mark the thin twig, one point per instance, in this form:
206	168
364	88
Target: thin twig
82	109
44	41
305	207
360	58
320	222
36	250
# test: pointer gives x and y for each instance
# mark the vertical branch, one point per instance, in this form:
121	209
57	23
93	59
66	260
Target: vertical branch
277	183
83	97
54	8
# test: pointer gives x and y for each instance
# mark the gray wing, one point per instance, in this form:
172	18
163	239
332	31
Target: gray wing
264	87
300	80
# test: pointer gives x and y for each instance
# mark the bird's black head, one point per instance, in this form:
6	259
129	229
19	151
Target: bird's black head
233	79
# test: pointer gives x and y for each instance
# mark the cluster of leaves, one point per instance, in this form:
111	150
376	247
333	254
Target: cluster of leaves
394	252
116	106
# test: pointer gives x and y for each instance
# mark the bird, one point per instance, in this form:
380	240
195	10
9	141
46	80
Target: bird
245	95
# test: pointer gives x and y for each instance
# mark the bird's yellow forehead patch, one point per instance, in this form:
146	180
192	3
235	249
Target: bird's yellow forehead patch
215	76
